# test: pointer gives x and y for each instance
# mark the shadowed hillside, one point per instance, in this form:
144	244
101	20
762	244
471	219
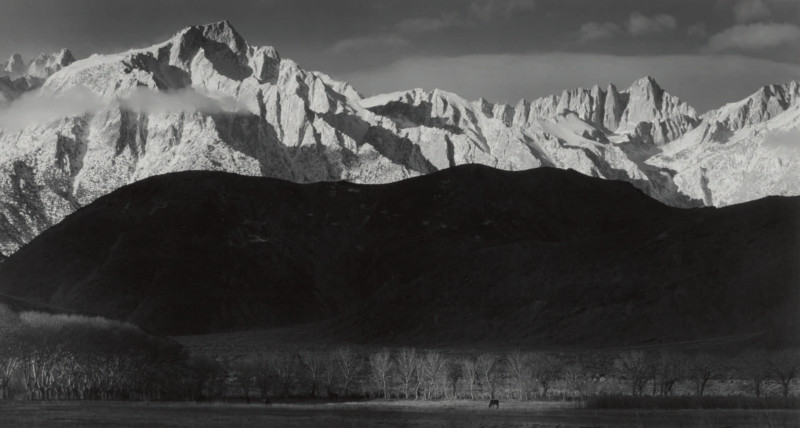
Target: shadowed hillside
467	254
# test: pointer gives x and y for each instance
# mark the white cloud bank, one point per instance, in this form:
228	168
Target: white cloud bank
753	37
783	139
36	108
641	25
592	31
637	25
751	10
374	41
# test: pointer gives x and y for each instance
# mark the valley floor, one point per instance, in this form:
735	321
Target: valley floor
384	414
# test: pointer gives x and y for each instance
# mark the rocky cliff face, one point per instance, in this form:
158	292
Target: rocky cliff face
44	65
207	100
743	151
17	78
14	67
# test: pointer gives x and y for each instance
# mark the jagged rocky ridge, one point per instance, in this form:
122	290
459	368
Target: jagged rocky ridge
16	77
742	151
304	126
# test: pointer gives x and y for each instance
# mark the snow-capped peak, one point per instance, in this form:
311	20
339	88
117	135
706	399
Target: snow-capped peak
761	106
15	67
44	65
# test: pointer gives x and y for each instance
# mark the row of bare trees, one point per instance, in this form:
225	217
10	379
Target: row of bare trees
407	373
661	371
45	357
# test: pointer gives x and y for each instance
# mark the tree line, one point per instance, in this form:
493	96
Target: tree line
68	357
408	373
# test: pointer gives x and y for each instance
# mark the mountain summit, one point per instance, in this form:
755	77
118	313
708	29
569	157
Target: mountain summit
207	100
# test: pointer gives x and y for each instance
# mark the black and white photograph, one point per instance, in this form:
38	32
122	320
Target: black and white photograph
400	213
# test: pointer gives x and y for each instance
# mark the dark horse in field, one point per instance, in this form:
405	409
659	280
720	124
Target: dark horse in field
494	403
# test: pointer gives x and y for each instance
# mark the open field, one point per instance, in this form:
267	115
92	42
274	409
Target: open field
393	414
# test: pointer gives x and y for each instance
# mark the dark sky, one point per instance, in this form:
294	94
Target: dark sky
705	51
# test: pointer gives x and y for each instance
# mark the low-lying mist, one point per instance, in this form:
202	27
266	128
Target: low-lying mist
39	108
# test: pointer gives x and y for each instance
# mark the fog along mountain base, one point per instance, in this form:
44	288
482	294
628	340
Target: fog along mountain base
469	254
233	107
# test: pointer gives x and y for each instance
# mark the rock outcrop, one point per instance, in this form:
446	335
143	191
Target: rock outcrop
44	65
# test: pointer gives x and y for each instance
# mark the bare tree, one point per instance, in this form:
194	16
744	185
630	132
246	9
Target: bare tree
407	369
10	349
283	365
313	361
701	369
518	364
754	366
575	378
634	367
264	376
489	370
469	368
205	378
670	368
432	373
454	374
244	373
545	369
329	374
349	364
380	366
419	378
783	368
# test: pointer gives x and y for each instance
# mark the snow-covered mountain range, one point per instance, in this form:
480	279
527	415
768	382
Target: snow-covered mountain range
72	131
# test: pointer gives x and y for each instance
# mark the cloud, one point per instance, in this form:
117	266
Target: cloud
143	100
697	30
37	108
641	25
476	12
783	139
705	81
428	24
637	25
750	10
487	10
752	37
373	41
592	31
32	108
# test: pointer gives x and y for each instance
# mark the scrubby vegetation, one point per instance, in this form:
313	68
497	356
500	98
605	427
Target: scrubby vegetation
69	357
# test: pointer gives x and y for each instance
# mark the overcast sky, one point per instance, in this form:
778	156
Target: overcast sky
705	51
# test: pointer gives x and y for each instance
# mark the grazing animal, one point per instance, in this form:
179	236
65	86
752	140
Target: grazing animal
267	401
332	395
494	403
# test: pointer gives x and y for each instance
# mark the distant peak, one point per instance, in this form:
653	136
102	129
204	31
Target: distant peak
223	26
220	32
646	81
224	32
15	66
